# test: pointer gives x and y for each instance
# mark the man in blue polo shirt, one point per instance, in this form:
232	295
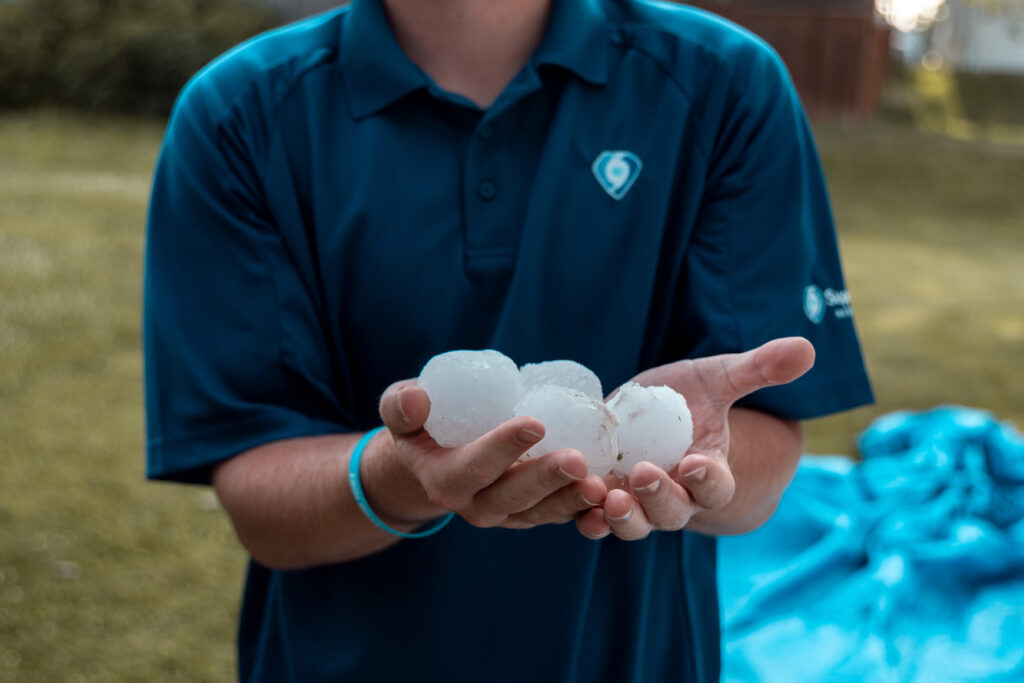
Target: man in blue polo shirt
624	184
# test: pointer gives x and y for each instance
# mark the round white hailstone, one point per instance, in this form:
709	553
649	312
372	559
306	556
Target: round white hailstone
571	420
562	373
471	393
654	425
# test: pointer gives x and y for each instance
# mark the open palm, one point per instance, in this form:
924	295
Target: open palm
651	499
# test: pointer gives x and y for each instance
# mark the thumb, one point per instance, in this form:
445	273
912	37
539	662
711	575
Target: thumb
779	361
404	408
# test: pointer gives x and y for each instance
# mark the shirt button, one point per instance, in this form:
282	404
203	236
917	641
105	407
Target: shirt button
486	132
487	189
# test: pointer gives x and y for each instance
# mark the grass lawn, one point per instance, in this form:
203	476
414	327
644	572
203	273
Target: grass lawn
106	577
934	257
102	576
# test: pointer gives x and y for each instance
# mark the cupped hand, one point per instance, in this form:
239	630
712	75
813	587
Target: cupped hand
484	482
650	498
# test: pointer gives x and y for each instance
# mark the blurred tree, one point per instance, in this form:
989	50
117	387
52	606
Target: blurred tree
130	56
997	5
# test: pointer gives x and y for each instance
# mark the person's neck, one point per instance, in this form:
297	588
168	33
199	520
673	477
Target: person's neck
469	47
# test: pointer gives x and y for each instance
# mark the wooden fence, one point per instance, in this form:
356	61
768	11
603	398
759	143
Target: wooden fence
838	60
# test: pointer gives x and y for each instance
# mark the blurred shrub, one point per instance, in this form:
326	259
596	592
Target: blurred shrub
992	98
130	56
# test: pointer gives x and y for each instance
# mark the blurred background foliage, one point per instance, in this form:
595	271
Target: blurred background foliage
957	104
126	56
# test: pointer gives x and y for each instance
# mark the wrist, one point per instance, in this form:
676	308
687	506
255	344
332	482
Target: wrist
391	489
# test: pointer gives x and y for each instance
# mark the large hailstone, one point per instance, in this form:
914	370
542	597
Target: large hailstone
571	420
471	393
654	425
562	373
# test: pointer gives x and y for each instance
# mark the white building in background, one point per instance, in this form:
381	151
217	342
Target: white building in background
971	38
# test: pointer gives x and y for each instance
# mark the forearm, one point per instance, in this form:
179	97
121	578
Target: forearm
291	504
764	453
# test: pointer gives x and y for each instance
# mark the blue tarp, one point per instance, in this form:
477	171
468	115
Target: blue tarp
908	566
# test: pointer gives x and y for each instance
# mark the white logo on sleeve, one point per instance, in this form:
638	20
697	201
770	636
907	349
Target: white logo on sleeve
817	303
616	171
814	304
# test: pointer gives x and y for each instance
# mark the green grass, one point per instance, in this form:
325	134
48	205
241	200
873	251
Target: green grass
102	576
932	246
106	577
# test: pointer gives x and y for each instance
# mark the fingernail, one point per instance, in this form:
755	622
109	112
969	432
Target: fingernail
583	502
650	488
697	475
599	536
528	436
623	518
401	411
567	475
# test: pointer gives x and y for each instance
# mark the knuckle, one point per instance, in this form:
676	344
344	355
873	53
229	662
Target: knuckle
524	520
506	497
674	523
475	521
443	498
447	491
517	502
716	496
476	474
482	519
551	514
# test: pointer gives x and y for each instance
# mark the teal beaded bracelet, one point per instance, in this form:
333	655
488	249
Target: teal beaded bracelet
357	493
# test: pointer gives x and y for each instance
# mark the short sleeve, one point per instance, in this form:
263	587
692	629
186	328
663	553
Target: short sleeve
220	295
763	261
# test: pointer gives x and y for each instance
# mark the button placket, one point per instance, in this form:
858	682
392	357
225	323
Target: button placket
487	189
487	241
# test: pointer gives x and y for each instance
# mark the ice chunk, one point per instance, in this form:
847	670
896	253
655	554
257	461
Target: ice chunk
562	373
654	425
571	420
471	393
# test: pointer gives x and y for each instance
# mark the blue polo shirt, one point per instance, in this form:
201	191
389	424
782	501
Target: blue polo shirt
325	218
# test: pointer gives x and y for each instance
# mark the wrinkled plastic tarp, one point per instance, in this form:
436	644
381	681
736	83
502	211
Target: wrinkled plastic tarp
908	566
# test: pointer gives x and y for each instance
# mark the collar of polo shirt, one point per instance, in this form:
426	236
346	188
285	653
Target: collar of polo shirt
378	73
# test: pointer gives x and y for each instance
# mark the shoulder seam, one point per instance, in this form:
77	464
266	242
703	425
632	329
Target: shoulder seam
318	55
274	121
668	72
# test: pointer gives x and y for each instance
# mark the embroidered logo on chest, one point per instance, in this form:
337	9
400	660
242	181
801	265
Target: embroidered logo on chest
616	171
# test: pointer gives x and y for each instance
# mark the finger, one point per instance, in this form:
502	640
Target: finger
404	408
779	361
528	483
562	505
625	516
477	465
667	505
708	479
592	524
